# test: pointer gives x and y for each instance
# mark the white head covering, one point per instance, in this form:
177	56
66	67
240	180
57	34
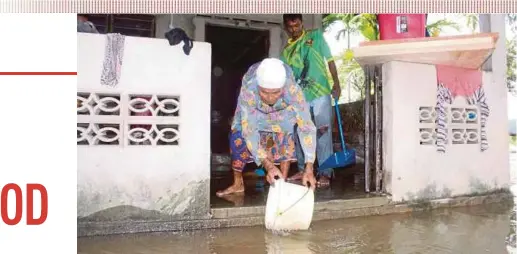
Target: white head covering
271	73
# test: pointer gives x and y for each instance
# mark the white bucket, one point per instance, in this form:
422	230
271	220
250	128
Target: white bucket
289	206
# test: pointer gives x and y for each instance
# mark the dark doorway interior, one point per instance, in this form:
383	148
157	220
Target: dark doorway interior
234	50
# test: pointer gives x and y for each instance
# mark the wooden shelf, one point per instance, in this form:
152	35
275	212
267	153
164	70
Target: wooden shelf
466	51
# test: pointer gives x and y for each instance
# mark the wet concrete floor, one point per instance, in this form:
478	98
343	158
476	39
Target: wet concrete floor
480	229
348	184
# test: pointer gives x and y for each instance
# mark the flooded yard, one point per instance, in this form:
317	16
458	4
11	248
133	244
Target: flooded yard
478	229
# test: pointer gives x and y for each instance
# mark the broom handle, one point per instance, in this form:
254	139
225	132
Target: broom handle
336	105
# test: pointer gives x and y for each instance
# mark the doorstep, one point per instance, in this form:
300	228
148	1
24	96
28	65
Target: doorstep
254	216
319	207
369	206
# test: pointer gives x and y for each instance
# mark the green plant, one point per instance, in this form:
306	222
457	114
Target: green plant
472	21
351	75
511	65
438	26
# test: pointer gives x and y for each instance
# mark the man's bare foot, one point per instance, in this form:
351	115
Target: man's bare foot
324	181
296	177
235	188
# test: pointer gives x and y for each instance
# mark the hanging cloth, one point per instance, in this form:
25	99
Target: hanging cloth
177	35
113	55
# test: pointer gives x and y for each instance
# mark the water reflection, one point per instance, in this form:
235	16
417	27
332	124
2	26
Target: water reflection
511	239
287	243
481	229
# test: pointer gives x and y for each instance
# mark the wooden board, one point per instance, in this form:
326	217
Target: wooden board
466	51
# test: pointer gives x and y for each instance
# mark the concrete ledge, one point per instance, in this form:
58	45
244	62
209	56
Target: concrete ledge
254	216
319	207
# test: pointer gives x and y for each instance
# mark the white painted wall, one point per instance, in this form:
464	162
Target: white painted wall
419	171
147	177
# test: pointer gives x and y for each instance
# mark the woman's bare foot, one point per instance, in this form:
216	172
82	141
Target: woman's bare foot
233	189
237	199
236	187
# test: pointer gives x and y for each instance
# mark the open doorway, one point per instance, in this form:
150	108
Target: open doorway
234	50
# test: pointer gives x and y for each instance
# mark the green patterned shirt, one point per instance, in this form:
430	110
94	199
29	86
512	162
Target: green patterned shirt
312	49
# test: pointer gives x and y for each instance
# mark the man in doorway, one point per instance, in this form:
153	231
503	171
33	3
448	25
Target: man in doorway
269	105
308	54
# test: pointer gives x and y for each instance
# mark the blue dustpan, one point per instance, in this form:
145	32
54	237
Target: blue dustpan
340	159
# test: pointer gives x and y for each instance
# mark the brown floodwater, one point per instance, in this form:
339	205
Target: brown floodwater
479	229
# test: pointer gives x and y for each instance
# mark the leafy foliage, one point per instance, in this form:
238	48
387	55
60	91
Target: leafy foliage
472	21
511	18
351	74
435	28
511	66
365	24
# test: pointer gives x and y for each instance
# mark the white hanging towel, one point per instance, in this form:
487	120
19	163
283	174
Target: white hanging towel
289	207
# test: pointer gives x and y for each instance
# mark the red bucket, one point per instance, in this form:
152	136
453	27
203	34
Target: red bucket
401	26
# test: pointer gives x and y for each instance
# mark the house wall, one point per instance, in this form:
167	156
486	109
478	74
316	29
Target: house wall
413	170
120	182
194	27
183	21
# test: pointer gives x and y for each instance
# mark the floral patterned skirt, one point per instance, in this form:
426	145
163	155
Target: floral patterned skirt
279	146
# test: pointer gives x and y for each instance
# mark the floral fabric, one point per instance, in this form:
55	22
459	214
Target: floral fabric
279	147
252	116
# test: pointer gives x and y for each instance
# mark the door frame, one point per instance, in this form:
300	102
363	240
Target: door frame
275	31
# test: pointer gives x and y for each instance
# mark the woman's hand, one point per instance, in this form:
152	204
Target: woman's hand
272	171
308	178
